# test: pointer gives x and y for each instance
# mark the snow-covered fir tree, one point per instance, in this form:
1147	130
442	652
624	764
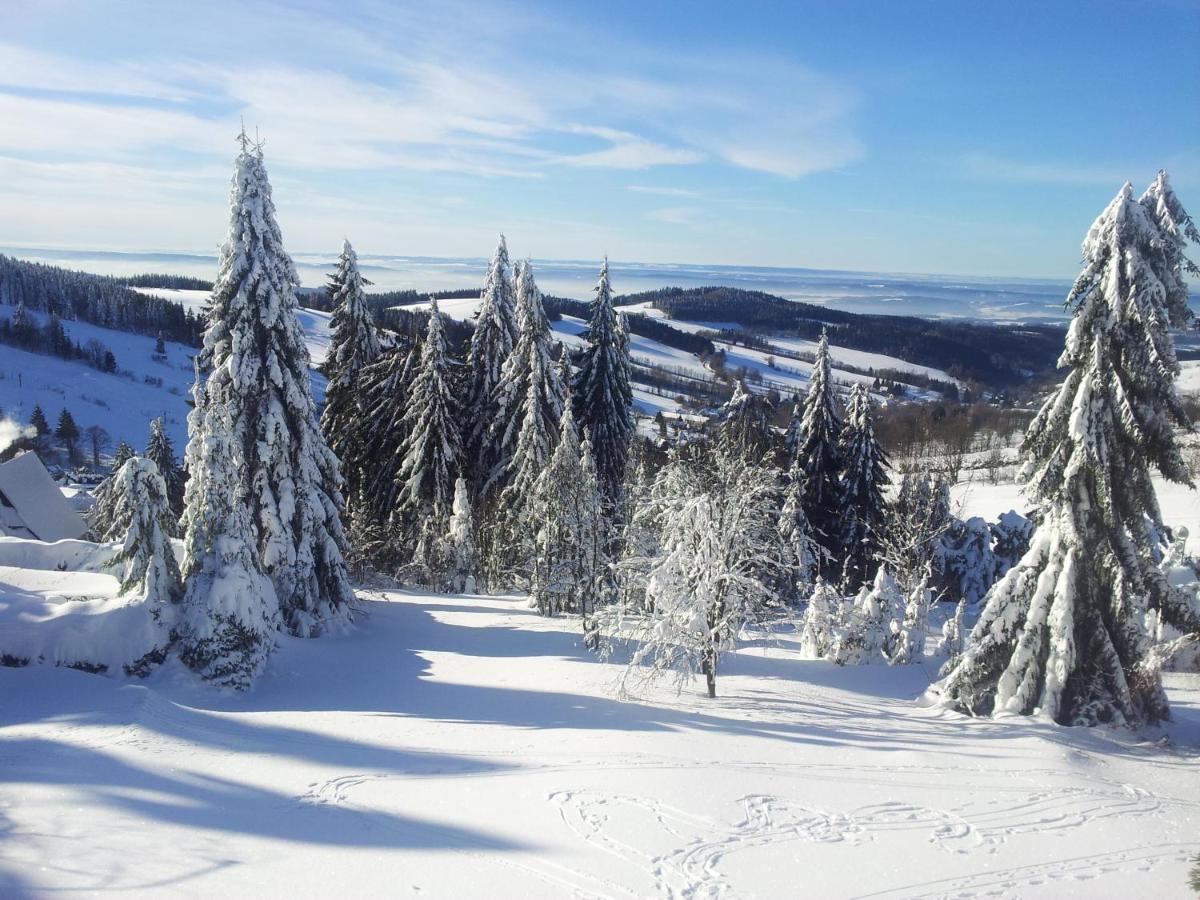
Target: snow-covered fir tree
1062	633
432	450
553	514
822	616
954	632
146	559
819	457
969	567
122	454
869	628
462	556
529	403
911	544
386	386
602	394
639	535
256	364
863	481
804	552
492	343
745	421
162	452
354	345
529	399
909	645
230	611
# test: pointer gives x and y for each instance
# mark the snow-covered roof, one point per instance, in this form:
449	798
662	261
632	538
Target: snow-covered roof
31	505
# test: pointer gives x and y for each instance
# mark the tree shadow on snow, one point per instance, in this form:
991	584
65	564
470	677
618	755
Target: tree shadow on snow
162	795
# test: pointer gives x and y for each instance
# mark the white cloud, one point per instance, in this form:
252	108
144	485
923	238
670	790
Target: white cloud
626	151
661	191
399	92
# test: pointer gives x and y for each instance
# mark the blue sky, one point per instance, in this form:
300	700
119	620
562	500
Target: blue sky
950	137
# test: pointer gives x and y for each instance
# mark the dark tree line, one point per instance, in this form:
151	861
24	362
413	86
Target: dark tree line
51	339
99	299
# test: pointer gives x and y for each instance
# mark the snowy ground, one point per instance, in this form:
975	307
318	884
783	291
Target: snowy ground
124	403
462	746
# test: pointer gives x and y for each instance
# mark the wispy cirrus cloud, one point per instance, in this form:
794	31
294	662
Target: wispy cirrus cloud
661	191
423	105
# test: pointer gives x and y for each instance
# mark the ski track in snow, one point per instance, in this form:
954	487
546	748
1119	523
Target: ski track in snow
692	869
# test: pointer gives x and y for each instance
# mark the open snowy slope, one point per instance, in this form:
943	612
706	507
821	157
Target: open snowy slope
314	322
859	359
462	746
123	403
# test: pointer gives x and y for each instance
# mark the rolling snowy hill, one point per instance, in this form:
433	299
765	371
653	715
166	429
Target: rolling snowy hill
123	403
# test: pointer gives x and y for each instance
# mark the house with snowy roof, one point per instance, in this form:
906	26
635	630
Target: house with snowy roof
32	506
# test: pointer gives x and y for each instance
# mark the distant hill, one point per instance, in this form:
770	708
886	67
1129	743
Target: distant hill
995	355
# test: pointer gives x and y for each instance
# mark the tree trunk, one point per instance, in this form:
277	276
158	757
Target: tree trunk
709	667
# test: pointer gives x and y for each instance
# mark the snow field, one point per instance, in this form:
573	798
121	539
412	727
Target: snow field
464	746
123	404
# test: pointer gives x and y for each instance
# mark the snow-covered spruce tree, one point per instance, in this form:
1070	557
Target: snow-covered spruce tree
863	480
804	552
512	544
1011	534
721	557
257	366
162	452
745	422
146	558
819	457
492	343
911	544
142	520
822	617
602	394
386	386
432	451
909	645
530	394
354	345
881	625
529	404
122	455
1062	633
553	515
229	612
969	566
953	632
462	558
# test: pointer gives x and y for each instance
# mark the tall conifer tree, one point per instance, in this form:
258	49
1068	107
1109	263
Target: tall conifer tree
820	459
162	452
1062	635
864	478
256	364
602	394
491	344
354	346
